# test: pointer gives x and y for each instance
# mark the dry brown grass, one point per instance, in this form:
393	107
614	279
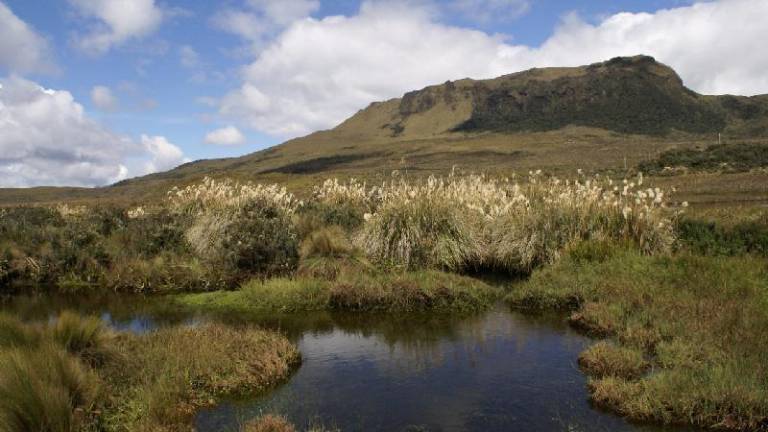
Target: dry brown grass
268	423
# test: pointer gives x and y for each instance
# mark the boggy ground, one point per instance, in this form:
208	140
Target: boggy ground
74	374
680	300
686	336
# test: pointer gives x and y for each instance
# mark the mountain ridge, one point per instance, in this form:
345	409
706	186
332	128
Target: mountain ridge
607	115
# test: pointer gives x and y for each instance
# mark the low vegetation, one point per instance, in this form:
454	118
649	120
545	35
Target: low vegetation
401	292
718	157
74	374
688	333
217	234
679	300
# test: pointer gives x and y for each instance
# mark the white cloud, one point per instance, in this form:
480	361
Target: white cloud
318	72
260	18
116	21
21	48
48	139
227	136
491	10
103	99
164	155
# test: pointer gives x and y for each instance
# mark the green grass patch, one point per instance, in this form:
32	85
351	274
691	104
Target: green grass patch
733	157
701	323
409	291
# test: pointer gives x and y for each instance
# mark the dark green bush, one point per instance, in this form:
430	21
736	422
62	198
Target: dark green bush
710	238
736	157
260	240
346	215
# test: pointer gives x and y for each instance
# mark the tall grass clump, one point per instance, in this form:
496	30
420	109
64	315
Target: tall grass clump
422	224
327	252
559	213
342	204
474	221
241	229
43	389
85	337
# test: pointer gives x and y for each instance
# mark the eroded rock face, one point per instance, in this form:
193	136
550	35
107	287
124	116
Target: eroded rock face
628	95
635	95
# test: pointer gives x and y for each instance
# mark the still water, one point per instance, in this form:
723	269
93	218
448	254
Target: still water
498	371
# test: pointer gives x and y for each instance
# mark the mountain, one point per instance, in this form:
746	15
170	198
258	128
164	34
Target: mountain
609	115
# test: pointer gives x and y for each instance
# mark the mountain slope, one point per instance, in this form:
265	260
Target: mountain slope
608	115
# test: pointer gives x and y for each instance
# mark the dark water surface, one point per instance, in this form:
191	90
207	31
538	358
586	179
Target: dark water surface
498	371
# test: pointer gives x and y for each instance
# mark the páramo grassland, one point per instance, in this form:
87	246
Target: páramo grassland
677	300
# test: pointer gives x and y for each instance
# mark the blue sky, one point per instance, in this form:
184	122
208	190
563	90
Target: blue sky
170	81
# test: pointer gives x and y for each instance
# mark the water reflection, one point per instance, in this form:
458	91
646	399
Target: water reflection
497	371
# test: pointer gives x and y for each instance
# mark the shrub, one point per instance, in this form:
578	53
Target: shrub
711	238
41	389
256	236
739	156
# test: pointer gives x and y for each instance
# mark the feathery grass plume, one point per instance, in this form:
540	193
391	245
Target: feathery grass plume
560	213
475	221
213	194
41	389
421	224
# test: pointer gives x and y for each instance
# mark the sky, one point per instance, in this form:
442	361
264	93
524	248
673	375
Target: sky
96	91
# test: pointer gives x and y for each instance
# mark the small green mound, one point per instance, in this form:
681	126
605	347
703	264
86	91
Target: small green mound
604	359
410	291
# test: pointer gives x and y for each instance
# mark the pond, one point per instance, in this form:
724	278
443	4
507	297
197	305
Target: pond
496	371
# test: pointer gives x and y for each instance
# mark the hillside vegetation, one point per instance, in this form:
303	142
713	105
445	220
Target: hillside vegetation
607	117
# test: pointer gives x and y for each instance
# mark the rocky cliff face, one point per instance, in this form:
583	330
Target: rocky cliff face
635	95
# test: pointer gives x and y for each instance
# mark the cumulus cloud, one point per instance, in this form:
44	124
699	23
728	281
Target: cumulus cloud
115	22
316	73
48	139
22	50
103	98
163	154
226	136
260	18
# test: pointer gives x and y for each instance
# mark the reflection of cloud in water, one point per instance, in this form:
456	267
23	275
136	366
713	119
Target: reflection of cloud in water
493	372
